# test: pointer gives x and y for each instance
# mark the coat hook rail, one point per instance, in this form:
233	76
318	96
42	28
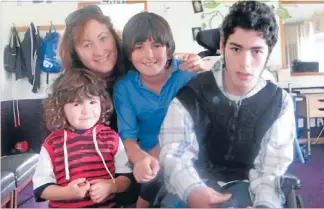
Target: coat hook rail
41	28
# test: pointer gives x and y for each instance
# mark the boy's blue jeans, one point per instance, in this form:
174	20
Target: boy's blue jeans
240	197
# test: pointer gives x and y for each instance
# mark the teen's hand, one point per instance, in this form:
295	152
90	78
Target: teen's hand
146	169
100	189
78	188
206	198
191	63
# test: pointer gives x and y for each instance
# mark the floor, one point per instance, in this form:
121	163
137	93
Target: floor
312	178
310	174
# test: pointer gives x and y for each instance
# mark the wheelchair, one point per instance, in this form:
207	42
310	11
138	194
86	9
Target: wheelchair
289	186
209	39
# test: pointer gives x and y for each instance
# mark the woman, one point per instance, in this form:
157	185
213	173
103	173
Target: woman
91	42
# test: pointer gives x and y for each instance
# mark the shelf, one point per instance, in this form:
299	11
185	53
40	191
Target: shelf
308	74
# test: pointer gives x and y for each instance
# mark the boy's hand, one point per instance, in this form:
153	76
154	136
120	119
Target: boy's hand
78	188
100	189
146	169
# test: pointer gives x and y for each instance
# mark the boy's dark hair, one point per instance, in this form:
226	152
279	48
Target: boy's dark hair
74	85
252	15
146	25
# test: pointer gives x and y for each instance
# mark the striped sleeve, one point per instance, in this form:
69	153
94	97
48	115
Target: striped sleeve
275	155
179	148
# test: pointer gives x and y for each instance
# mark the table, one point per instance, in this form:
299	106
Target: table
312	108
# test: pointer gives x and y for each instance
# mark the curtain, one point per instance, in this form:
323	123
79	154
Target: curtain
300	42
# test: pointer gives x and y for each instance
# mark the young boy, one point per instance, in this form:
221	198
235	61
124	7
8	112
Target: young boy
142	97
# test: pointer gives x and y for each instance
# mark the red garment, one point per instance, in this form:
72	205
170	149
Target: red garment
83	160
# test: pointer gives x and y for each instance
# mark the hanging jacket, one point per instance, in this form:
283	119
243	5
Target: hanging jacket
31	53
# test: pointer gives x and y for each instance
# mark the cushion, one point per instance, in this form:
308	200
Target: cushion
21	165
7	183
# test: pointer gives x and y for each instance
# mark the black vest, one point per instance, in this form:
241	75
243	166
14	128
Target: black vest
229	135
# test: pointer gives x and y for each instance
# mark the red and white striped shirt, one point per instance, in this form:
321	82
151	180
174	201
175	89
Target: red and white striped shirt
98	153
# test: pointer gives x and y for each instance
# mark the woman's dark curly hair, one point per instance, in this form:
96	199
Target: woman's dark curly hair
75	85
252	15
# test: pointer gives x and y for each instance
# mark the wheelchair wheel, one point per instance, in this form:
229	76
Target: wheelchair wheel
291	199
300	203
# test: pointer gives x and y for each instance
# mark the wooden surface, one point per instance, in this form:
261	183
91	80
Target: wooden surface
313	140
8	201
86	3
22	29
308	74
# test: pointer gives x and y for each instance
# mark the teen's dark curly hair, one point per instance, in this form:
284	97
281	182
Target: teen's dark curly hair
74	85
252	15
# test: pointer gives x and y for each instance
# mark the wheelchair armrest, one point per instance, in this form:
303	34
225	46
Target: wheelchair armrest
290	181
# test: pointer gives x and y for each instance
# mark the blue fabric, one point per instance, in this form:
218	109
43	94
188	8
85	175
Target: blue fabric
140	112
48	57
79	131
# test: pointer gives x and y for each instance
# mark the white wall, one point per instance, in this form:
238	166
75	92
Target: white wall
179	14
22	15
181	18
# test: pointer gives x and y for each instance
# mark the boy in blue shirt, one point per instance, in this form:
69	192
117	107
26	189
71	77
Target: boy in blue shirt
142	97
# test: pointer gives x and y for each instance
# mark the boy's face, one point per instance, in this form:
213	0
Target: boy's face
83	114
245	53
149	57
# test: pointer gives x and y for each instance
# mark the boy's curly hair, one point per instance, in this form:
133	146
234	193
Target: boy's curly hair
252	15
75	85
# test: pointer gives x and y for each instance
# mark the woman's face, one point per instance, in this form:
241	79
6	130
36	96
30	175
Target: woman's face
97	48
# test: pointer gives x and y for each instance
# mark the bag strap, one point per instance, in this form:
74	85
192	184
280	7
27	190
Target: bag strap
12	35
16	36
52	27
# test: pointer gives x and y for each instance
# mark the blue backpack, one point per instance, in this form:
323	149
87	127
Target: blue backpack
49	61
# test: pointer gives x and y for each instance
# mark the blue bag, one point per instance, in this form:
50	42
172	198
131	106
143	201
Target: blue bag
50	61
